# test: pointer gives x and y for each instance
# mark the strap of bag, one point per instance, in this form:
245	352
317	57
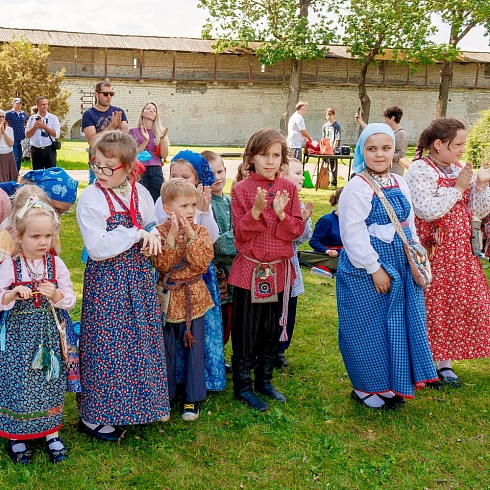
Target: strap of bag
389	208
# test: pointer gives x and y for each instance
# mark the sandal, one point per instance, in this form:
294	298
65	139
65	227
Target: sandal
56	455
453	381
388	405
21	457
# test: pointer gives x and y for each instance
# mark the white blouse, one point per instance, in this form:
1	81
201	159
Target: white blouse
431	202
205	219
92	213
65	286
4	148
355	204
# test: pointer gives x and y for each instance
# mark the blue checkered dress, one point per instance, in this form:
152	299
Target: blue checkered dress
382	337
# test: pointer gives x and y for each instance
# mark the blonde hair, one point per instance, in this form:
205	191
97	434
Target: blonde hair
290	160
175	188
20	220
212	156
181	161
156	127
118	144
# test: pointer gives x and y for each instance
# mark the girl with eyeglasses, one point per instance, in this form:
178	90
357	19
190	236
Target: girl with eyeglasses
8	168
122	358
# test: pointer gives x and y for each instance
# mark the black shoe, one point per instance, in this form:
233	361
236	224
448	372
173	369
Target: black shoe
228	368
263	377
452	381
385	407
281	361
252	400
395	400
242	387
21	457
105	436
57	455
191	411
434	385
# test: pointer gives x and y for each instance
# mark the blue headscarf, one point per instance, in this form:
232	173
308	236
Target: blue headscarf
359	164
200	164
55	182
9	187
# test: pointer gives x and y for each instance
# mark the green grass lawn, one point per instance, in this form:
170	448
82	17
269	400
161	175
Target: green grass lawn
319	439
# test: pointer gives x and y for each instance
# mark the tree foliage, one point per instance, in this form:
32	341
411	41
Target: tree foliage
477	148
24	73
371	27
461	16
293	30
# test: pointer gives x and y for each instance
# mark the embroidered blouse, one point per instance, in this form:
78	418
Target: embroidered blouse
431	202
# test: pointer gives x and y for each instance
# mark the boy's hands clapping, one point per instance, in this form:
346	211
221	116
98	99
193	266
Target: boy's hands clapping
306	211
260	203
279	204
204	199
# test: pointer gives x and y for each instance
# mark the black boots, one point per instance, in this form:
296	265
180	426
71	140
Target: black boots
242	387
263	376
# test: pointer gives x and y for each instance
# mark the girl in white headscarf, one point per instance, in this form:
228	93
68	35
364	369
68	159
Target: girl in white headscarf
382	330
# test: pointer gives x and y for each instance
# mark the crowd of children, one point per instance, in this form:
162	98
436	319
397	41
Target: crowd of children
166	284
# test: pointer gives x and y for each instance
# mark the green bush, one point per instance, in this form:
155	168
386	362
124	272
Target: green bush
478	142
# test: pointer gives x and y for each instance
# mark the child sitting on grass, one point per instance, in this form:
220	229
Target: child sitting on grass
185	256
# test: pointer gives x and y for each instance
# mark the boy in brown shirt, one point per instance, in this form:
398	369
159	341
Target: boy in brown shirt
186	253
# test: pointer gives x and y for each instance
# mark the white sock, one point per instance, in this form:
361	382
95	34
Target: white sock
446	364
107	429
388	394
55	445
19	446
373	401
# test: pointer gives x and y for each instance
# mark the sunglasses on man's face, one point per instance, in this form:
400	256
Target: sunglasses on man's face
107	94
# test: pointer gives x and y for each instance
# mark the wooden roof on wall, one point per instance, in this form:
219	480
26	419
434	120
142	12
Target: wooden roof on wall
156	43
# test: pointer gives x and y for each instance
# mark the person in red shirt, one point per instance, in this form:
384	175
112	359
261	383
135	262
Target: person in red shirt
267	218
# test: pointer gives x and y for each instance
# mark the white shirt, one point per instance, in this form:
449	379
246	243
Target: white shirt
4	148
202	218
431	202
65	286
354	208
36	139
296	124
92	213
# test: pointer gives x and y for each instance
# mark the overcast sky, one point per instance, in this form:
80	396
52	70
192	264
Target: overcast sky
169	18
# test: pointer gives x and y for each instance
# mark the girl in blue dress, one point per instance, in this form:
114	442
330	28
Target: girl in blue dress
122	359
382	324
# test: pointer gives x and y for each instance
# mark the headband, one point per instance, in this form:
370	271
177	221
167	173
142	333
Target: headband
34	202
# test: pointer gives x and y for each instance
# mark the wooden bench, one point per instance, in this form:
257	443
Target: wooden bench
231	155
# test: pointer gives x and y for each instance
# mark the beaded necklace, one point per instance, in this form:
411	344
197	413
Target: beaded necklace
37	277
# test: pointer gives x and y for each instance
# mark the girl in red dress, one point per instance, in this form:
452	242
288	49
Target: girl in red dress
445	196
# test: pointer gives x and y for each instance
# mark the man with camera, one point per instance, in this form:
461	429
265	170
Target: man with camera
43	129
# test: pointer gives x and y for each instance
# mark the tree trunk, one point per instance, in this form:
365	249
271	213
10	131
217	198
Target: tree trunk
295	77
293	94
445	78
362	93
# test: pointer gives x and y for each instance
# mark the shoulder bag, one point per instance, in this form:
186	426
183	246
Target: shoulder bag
416	254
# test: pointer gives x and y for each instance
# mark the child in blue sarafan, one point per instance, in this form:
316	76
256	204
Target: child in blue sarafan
382	322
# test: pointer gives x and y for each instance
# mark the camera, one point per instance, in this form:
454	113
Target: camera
38	117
